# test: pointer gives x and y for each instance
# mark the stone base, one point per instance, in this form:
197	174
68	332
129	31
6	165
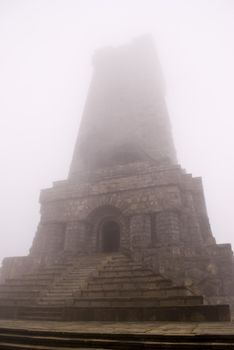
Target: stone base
198	313
201	313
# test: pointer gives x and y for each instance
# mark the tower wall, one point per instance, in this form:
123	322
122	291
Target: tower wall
125	117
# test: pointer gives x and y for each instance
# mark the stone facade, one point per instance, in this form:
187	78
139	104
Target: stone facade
125	191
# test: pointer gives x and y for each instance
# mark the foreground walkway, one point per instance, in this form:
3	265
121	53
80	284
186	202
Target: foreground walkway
163	328
35	335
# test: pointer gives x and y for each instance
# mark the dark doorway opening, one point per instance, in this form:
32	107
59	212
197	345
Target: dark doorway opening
110	237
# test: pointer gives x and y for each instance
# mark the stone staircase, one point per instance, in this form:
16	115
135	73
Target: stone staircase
123	282
103	288
61	292
26	289
50	285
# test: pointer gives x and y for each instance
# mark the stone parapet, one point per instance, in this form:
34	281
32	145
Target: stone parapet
149	177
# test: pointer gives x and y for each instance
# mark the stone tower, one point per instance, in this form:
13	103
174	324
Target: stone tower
125	191
125	118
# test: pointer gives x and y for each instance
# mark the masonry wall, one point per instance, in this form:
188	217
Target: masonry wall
162	217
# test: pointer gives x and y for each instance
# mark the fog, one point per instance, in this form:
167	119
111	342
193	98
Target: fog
45	69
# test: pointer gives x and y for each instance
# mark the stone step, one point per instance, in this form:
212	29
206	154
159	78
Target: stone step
111	286
12	301
169	291
41	318
138	279
79	273
55	302
21	287
69	277
120	262
66	286
41	314
41	311
15	293
87	262
192	313
116	256
96	285
55	297
90	266
52	298
68	283
123	263
123	268
61	293
23	281
57	266
126	273
38	279
85	266
52	269
44	275
138	302
81	270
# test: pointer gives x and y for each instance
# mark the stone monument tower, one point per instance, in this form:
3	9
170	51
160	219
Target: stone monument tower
126	197
125	118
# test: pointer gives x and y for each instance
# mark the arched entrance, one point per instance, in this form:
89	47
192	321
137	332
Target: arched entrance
110	237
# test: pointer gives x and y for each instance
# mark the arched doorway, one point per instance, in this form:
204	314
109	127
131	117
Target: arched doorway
110	237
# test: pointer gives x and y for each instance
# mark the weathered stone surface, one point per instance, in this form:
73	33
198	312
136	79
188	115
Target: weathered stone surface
126	192
116	335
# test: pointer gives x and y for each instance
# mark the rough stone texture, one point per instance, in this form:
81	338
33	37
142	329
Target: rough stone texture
163	221
124	171
116	335
103	287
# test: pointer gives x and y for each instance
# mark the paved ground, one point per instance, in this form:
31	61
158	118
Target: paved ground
163	328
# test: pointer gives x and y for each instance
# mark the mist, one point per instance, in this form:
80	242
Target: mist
45	69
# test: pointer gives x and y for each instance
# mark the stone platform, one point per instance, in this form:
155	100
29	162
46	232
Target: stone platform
104	288
107	335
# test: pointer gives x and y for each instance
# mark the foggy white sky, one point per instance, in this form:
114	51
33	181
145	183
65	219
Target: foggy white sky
45	55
